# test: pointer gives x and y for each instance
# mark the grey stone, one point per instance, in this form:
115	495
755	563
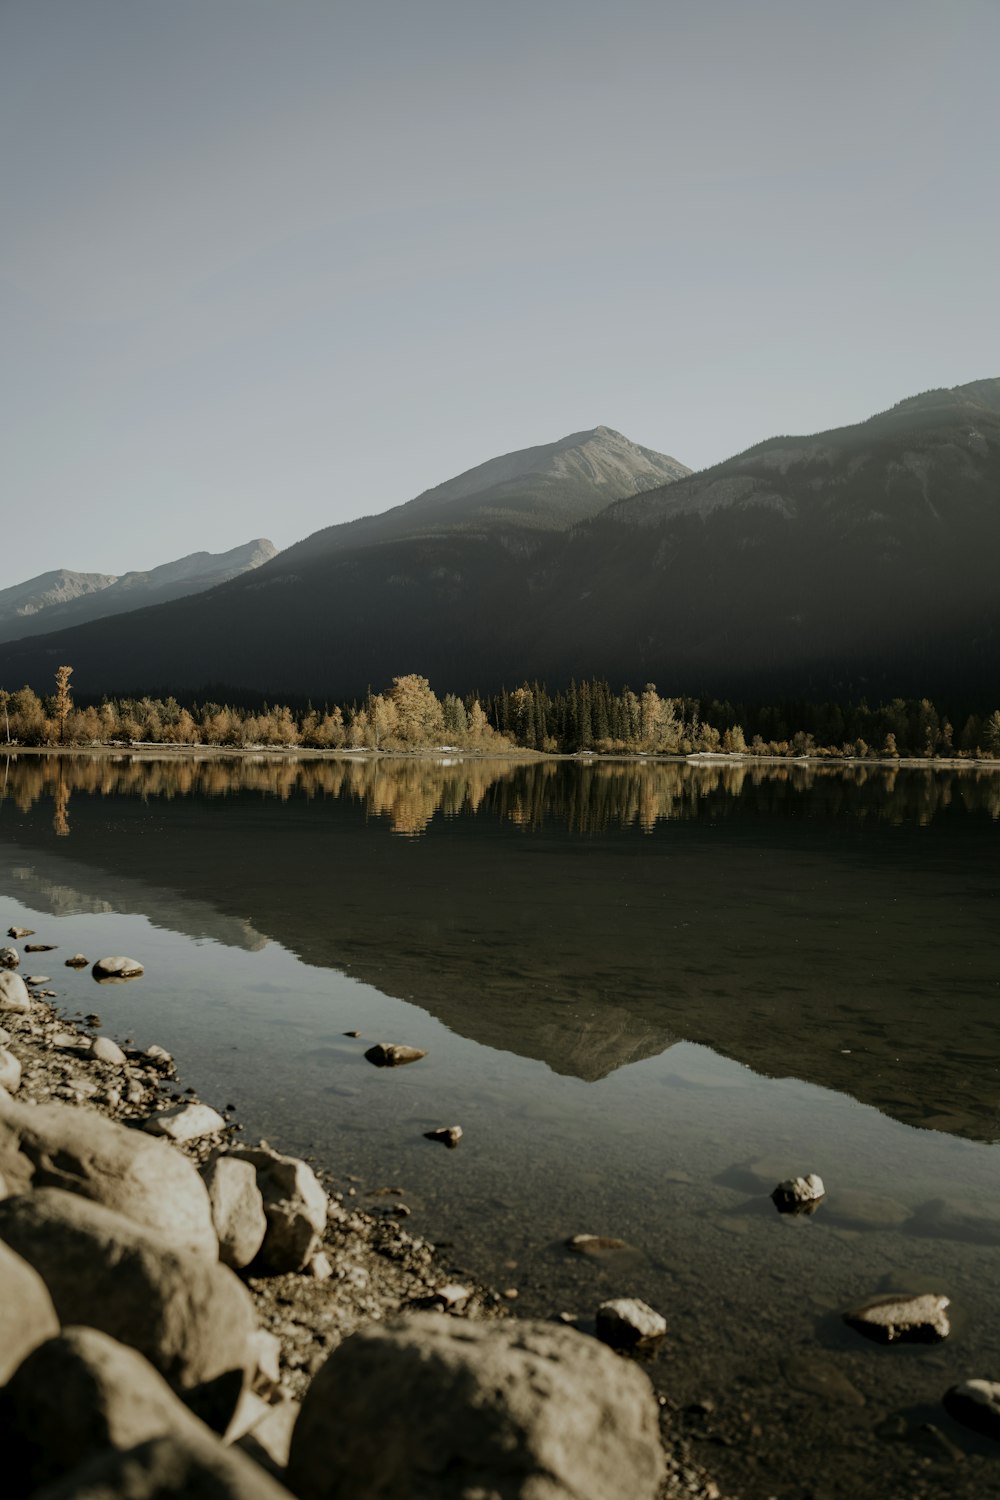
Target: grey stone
167	1467
265	1350
57	1145
107	1051
27	1316
115	970
13	992
902	1319
799	1194
10	1071
40	947
190	1317
78	1394
429	1407
448	1135
393	1054
627	1322
185	1122
78	961
237	1209
9	958
295	1206
268	1437
976	1404
20	932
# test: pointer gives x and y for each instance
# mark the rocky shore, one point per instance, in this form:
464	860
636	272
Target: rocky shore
184	1314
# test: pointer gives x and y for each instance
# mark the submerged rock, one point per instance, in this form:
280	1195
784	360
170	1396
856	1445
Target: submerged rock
13	992
627	1323
901	1319
113	970
428	1405
596	1245
976	1404
78	961
448	1135
393	1054
797	1195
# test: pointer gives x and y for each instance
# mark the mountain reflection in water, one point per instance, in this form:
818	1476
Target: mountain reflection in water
832	924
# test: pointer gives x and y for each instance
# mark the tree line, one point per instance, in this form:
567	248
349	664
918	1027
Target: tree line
584	717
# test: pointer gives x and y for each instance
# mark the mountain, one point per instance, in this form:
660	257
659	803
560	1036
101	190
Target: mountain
856	562
63	598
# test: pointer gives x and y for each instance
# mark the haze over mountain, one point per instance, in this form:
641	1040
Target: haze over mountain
857	561
62	597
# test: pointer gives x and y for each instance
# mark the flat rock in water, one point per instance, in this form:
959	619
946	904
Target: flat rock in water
113	970
185	1122
448	1135
976	1404
20	932
9	958
797	1195
627	1323
430	1405
40	947
902	1319
37	979
393	1054
597	1245
13	992
78	961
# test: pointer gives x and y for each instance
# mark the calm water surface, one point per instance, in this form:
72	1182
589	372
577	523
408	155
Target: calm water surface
647	992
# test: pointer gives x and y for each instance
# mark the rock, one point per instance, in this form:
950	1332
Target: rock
185	1122
448	1135
976	1404
269	1438
56	1145
159	1057
40	947
78	1394
107	1051
433	1407
116	970
78	961
27	1316
596	1245
295	1206
265	1350
320	1267
452	1294
237	1209
9	958
393	1054
13	992
36	979
20	932
195	1468
189	1317
797	1195
626	1323
10	1071
902	1319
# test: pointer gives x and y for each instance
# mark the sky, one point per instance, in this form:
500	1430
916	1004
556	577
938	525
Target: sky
266	265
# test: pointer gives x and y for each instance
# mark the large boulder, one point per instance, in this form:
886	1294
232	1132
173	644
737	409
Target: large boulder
295	1205
78	1394
13	992
27	1317
431	1408
78	1150
189	1316
115	970
237	1209
165	1468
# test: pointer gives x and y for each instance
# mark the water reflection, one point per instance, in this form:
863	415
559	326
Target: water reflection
584	798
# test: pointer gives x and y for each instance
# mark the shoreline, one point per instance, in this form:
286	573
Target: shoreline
367	1267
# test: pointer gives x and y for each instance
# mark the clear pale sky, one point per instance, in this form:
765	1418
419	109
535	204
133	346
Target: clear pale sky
270	264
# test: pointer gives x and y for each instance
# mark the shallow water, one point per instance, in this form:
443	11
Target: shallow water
646	993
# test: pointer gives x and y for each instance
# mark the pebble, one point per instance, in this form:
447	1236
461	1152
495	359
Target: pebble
452	1294
448	1135
320	1267
902	1319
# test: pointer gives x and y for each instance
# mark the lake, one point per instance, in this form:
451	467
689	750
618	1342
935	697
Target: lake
647	991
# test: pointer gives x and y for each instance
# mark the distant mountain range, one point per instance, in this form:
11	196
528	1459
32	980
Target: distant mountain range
62	597
855	562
